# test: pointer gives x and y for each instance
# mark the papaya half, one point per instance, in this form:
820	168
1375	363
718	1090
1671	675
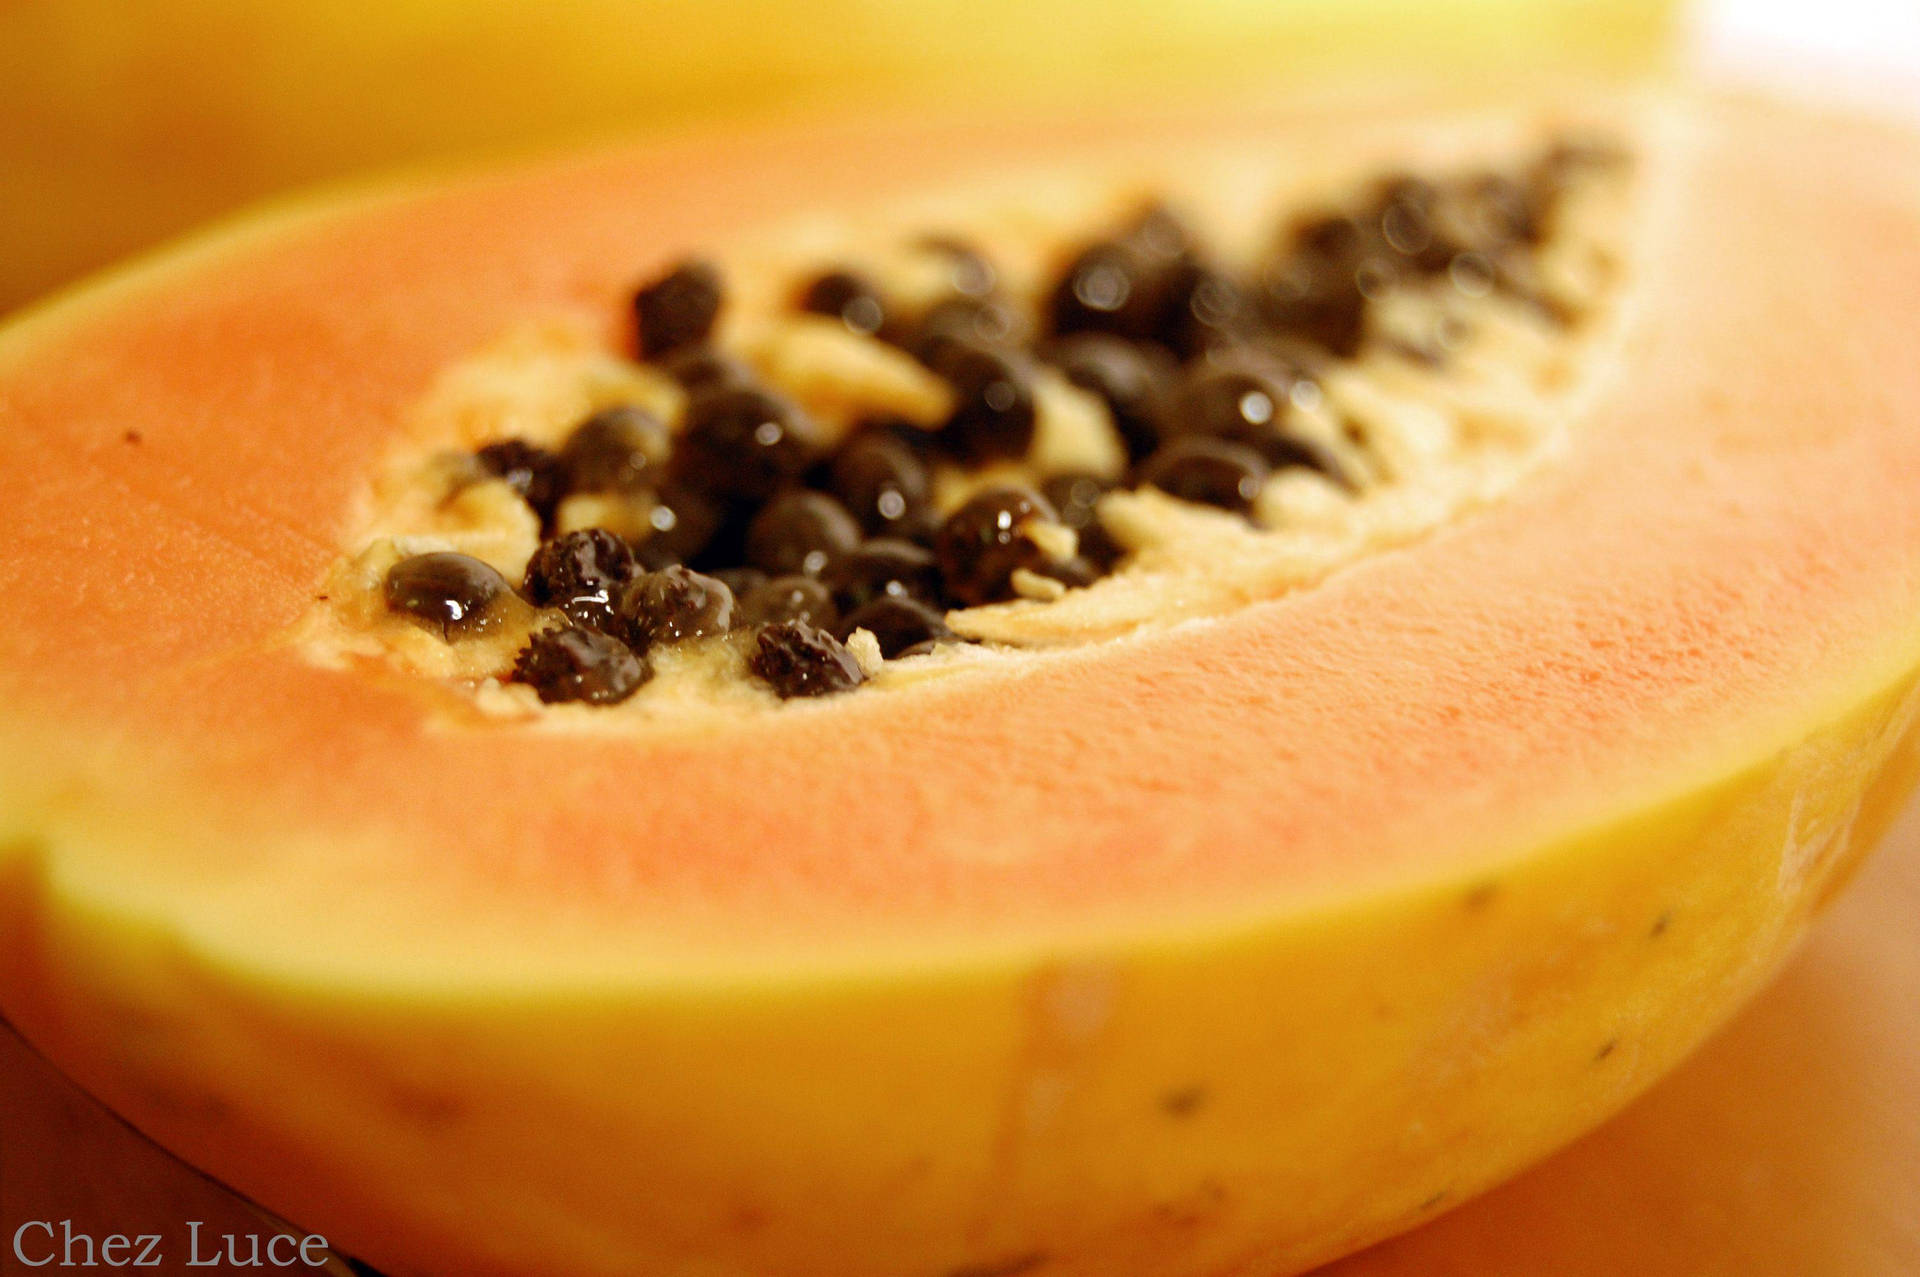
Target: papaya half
1781	1149
1348	833
1784	1148
120	126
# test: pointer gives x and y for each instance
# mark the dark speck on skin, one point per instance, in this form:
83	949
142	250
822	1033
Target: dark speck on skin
1606	1049
748	1217
1195	1208
426	1108
134	436
1660	925
1481	896
1013	1267
1436	1199
1184	1102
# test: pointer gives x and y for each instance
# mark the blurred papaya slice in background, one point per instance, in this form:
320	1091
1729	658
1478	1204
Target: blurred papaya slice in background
121	124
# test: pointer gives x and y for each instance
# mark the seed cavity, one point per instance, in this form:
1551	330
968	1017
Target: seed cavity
1146	365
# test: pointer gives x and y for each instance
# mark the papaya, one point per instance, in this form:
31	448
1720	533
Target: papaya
119	127
1782	1149
1446	741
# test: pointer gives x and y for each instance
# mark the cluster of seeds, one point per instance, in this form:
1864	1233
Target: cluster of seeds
759	527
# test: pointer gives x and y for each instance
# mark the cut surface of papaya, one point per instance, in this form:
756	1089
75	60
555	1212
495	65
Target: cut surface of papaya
1219	928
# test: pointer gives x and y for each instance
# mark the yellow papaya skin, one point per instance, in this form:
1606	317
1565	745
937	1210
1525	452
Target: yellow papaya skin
1782	1149
1785	1148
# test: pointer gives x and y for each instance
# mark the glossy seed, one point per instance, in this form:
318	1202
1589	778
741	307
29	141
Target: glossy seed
1076	498
970	321
1247	401
1130	378
1207	471
788	598
1409	189
681	524
1161	235
617	449
1333	237
1228	403
983	542
1107	288
883	566
536	475
673	605
1316	301
454	595
1138	284
1282	451
582	573
1318	289
972	274
849	297
742	582
1408	222
882	482
800	531
798	659
576	664
1493	212
744	444
896	623
993	415
1202	309
678	309
701	368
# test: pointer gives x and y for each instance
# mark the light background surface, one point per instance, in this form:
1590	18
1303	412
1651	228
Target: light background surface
1864	50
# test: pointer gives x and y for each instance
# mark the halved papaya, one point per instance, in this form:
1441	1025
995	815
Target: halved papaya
1782	1149
1228	945
1785	1148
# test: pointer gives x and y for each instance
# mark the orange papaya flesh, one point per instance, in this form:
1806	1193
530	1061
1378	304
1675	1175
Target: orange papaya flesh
979	973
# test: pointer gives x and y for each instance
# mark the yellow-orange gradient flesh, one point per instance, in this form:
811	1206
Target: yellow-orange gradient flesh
1226	949
1784	1148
